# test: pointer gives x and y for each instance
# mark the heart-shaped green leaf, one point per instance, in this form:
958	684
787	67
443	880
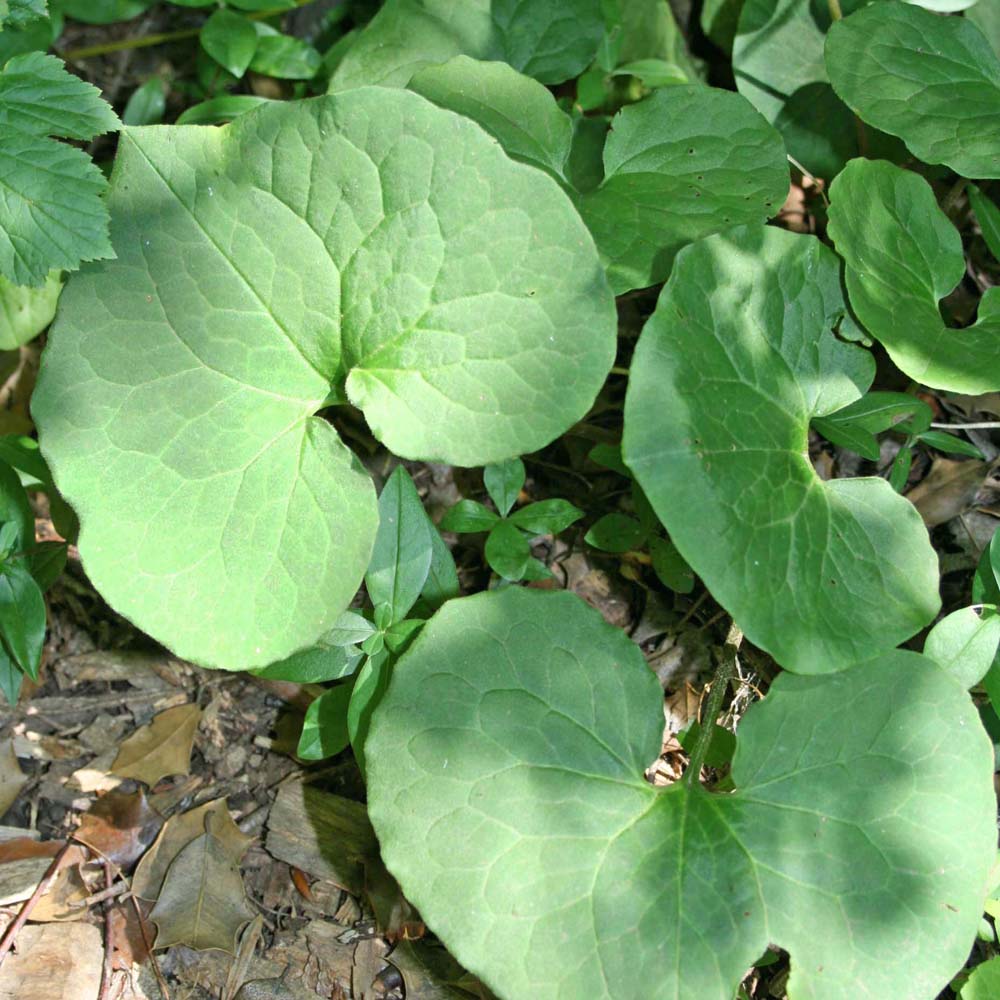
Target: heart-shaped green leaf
367	245
685	162
506	787
902	255
736	360
933	81
550	40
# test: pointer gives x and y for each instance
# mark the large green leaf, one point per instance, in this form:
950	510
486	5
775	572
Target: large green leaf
51	212
366	244
551	40
933	81
505	783
685	162
902	255
736	360
779	68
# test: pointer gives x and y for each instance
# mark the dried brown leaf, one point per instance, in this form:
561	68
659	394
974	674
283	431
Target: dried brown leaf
161	748
202	903
120	827
212	817
950	488
54	962
24	862
368	955
12	779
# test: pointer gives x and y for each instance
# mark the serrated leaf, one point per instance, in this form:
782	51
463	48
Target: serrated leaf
177	833
685	162
161	748
401	556
202	903
902	255
469	516
506	787
504	482
964	644
735	362
22	616
324	731
550	40
933	81
51	212
26	311
177	406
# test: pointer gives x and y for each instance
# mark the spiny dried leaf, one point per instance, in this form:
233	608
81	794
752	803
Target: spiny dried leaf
202	903
212	817
120	826
161	748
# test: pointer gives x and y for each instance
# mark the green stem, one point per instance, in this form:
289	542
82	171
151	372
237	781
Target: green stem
950	203
164	38
724	673
835	12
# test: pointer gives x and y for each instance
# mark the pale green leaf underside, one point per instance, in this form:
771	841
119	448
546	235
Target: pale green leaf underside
736	360
685	162
51	211
25	311
550	40
369	237
933	81
505	785
902	255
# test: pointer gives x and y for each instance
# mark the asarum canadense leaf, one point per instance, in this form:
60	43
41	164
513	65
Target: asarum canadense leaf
902	255
550	40
685	162
365	246
933	81
505	783
738	357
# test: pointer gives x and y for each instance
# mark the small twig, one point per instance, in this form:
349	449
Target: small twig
7	941
618	370
116	889
148	945
986	425
107	970
720	682
835	12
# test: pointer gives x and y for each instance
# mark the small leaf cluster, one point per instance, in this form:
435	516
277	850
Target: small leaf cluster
509	532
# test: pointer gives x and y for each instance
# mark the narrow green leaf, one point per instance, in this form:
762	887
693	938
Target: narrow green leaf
507	551
402	554
950	444
988	217
965	643
610	456
25	311
504	482
231	40
468	516
349	630
616	533
284	57
22	616
399	636
653	72
986	582
546	517
220	110
369	687
902	255
738	358
505	784
442	577
933	81
10	677
845	434
899	474
324	731
670	566
14	506
46	561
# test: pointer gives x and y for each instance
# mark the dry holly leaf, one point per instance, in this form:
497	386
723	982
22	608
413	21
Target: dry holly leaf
950	489
12	779
53	962
202	903
120	827
177	833
161	748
